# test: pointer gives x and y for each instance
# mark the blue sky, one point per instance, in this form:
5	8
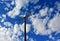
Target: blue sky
43	25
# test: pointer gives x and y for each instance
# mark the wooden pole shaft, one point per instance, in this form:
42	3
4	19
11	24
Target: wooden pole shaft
25	29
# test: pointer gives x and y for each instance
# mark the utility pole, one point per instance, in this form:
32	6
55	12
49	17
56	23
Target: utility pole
24	28
24	19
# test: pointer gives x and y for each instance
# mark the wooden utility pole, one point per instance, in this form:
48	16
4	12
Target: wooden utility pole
24	19
24	28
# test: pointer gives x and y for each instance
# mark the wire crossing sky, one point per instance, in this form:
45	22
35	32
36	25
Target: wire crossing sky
42	25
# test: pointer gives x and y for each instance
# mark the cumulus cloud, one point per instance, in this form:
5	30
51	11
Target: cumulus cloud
16	11
5	34
54	24
57	4
43	12
7	24
11	34
39	24
3	17
16	28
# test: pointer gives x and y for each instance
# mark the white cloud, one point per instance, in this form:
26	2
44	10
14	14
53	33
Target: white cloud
43	12
8	34
13	2
34	1
50	10
57	5
54	24
13	13
3	17
28	28
6	8
16	28
8	4
2	20
7	24
16	11
38	25
51	37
